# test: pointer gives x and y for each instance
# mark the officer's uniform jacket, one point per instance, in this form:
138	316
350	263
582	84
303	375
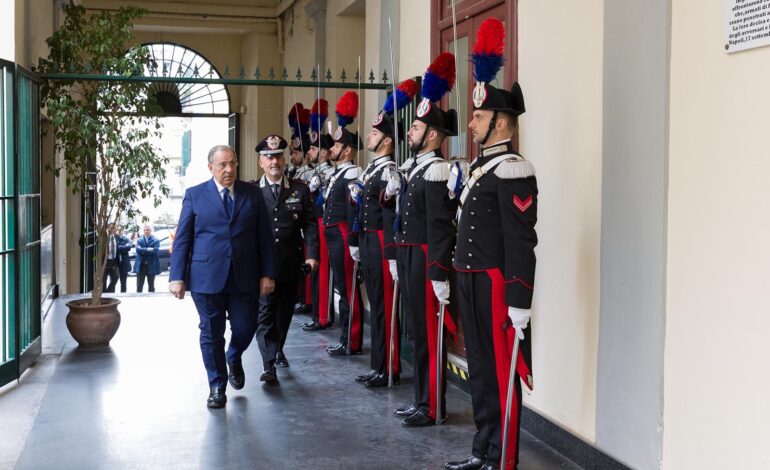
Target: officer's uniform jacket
372	216
426	212
337	206
496	223
292	218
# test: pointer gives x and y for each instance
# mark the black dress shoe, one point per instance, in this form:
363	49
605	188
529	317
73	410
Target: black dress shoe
381	380
490	466
299	307
420	418
217	398
236	377
472	463
405	411
315	326
365	377
280	360
269	376
338	350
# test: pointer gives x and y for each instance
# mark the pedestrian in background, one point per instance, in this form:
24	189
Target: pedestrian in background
147	262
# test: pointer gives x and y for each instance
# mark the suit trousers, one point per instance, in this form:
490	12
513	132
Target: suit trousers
242	310
279	306
140	279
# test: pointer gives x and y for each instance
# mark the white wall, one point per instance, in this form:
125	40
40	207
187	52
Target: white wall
561	133
414	29
7	30
717	411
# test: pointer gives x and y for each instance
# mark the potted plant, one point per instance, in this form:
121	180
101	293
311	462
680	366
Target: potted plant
102	129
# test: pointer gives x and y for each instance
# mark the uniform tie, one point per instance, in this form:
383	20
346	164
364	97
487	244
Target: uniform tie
228	202
274	187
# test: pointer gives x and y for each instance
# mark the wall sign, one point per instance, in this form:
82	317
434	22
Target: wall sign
747	24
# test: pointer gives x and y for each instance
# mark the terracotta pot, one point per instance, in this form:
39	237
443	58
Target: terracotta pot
93	326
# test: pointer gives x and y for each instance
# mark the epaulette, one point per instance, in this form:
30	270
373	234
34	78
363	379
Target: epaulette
514	168
406	165
386	171
438	171
353	173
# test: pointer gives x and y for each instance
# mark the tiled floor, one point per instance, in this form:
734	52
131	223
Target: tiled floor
141	404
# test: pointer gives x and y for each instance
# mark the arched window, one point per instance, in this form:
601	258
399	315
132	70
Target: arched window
173	60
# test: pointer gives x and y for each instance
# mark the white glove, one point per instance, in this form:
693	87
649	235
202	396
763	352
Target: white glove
356	188
354	253
520	319
441	289
394	184
393	269
314	184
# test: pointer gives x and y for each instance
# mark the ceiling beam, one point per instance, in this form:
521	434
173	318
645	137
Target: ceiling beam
203	11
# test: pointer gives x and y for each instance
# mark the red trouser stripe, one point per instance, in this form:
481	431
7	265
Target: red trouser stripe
503	345
388	289
355	328
431	326
323	276
308	283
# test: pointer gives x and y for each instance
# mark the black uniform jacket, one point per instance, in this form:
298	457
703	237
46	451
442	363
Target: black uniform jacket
427	213
373	216
292	218
496	226
337	206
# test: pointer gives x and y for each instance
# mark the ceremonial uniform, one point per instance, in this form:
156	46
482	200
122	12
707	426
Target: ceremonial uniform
339	214
495	261
425	237
377	247
293	222
322	316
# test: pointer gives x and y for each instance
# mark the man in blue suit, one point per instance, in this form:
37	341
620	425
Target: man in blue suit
147	263
224	253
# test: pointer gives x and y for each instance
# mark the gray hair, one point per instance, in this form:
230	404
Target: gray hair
221	148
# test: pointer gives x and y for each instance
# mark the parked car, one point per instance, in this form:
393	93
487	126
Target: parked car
164	253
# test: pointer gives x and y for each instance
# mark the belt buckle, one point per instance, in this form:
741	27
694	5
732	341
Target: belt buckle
478	173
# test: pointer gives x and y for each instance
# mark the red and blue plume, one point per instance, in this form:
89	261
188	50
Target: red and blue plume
487	56
318	114
405	92
294	113
439	79
304	120
347	108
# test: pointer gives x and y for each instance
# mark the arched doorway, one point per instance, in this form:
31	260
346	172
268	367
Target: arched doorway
195	117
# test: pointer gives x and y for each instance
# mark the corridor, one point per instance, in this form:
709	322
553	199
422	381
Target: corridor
141	404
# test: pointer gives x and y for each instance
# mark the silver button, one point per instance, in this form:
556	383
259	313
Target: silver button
276	240
467	266
276	219
474	198
473	228
470	240
470	255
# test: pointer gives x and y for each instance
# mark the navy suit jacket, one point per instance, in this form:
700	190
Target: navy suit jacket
207	244
151	257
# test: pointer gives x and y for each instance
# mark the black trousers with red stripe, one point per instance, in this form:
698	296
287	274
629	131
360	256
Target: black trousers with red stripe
488	344
342	266
379	291
320	281
417	292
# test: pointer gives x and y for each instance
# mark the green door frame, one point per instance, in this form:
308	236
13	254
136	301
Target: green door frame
20	298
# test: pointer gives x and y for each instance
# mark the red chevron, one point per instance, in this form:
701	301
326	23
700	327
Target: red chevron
522	205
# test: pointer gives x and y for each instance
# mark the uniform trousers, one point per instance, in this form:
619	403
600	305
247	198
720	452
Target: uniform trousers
279	305
320	281
488	343
417	292
342	267
379	291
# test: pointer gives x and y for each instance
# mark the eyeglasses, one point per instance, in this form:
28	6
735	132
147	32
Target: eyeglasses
223	165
